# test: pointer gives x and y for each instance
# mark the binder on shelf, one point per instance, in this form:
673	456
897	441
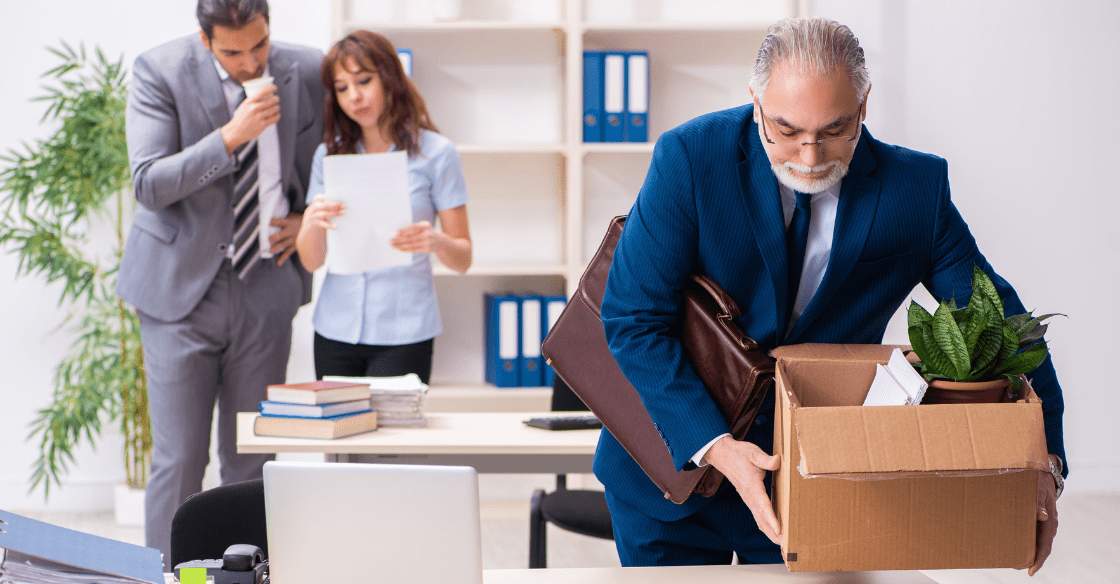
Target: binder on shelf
614	97
405	55
503	339
637	96
532	362
551	307
592	96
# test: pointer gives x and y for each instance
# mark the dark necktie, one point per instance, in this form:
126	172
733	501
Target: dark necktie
796	236
246	215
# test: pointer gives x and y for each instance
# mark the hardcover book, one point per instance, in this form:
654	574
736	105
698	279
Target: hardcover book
325	428
273	408
317	392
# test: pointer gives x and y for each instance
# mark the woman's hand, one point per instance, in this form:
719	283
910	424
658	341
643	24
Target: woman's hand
321	211
311	241
415	238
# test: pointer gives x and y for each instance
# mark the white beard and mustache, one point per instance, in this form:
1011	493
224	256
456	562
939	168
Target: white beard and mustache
784	171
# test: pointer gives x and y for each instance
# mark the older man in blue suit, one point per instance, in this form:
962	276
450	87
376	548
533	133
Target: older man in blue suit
819	232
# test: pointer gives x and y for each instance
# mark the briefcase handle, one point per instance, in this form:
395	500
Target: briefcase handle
728	310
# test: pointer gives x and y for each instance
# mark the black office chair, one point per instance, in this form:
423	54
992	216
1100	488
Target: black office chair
580	511
209	522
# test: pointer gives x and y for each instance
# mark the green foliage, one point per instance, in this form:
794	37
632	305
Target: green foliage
976	343
51	196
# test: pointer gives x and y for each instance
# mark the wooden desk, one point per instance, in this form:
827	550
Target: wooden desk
490	442
774	574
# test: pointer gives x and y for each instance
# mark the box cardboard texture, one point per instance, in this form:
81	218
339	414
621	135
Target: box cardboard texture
898	487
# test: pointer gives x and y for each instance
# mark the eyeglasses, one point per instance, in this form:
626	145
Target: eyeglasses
790	143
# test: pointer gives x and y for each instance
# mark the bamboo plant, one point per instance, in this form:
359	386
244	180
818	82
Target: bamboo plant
57	197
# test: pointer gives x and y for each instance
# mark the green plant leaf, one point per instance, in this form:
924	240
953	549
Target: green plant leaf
989	342
982	284
949	341
1024	362
54	193
973	320
935	361
916	314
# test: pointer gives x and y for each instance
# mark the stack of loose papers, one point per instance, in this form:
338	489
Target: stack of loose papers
399	401
897	384
33	552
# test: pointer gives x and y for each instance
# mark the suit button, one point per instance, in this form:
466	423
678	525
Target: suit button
760	420
222	247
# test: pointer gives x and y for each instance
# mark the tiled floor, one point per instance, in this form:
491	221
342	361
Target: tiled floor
1085	551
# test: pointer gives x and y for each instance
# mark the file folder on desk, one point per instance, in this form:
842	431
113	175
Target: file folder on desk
614	97
637	96
552	306
34	551
592	96
503	339
531	360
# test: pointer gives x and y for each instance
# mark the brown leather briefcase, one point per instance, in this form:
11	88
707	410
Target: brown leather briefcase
736	372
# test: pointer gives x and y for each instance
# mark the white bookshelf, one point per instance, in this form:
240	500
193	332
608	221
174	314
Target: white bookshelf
505	83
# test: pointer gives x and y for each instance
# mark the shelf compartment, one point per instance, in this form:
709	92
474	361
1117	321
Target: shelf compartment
505	86
690	75
652	14
459	354
510	269
516	208
485	13
611	182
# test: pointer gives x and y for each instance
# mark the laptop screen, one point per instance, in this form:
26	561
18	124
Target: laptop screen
353	523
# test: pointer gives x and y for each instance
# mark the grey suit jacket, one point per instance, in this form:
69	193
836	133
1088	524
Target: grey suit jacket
183	178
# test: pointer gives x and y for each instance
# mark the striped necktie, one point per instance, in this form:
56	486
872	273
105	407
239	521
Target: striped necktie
246	214
797	235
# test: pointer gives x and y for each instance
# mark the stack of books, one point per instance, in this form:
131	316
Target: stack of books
399	401
317	409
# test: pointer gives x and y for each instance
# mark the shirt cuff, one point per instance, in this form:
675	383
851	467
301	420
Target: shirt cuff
698	458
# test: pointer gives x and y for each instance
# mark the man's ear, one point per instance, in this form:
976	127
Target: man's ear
865	103
755	113
205	39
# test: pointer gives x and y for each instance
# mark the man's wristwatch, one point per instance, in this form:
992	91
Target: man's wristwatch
1056	470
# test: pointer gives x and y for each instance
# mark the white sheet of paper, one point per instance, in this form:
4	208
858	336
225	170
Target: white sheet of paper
885	391
374	188
907	377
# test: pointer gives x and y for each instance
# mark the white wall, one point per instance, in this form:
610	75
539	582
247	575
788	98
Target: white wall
1019	96
29	347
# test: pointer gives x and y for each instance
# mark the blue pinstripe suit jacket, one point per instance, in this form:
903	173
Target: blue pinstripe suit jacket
710	204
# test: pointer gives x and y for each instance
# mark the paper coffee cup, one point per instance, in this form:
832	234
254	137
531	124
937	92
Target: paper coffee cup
253	86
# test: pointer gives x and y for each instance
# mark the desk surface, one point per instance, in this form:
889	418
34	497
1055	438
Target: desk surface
775	574
491	442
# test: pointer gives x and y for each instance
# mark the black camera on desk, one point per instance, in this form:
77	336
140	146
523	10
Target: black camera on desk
241	564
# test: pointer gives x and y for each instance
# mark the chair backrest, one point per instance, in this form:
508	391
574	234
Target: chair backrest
209	522
564	399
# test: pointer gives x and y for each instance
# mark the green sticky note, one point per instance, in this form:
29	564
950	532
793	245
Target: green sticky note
192	575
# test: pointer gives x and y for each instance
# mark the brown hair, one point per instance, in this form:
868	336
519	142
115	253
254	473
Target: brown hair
403	112
228	13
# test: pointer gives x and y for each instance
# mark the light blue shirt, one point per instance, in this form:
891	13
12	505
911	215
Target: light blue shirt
396	305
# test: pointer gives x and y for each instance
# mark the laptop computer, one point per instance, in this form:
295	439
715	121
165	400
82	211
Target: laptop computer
355	523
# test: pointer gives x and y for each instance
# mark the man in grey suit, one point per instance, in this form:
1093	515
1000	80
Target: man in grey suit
210	171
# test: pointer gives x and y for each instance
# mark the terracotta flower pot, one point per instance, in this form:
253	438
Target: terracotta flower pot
966	392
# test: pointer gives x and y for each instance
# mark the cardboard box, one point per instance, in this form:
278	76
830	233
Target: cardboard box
898	487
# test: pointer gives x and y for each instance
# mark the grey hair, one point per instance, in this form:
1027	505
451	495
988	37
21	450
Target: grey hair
815	46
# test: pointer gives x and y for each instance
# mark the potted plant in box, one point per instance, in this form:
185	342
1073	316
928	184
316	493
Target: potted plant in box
975	354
